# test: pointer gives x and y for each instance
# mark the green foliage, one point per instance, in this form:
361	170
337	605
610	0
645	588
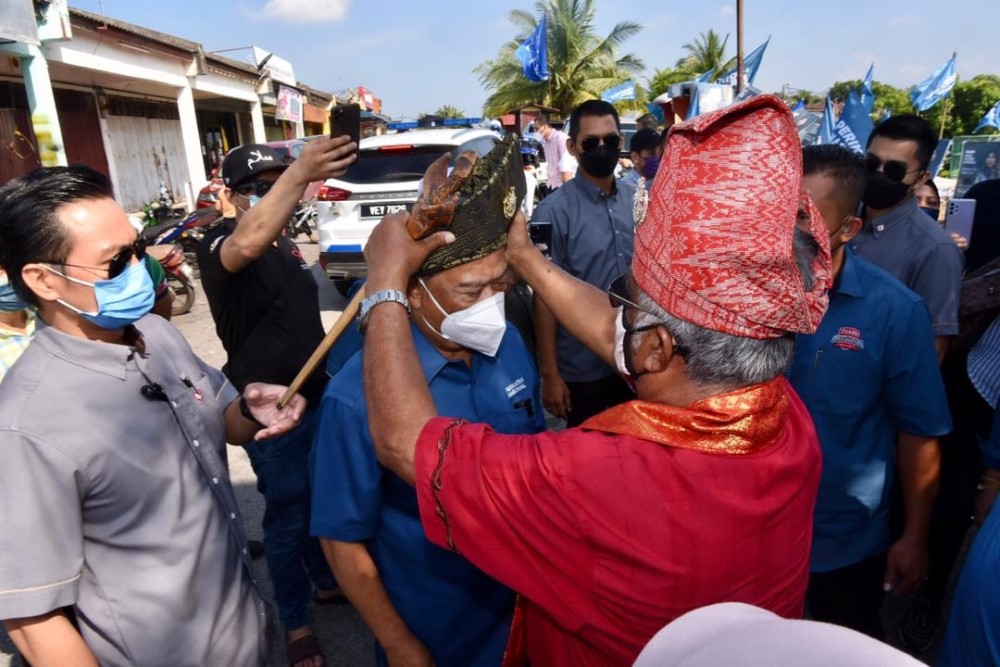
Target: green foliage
582	64
887	98
664	78
707	52
448	111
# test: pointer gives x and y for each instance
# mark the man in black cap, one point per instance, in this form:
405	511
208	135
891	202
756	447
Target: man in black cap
265	305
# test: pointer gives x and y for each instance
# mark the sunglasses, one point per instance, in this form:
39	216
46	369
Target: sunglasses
259	188
118	263
894	170
612	141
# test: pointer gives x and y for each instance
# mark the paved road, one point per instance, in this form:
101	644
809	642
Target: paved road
345	638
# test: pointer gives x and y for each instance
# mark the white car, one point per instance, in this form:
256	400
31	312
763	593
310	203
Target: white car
384	179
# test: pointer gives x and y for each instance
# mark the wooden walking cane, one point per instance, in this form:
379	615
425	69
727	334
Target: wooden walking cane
433	209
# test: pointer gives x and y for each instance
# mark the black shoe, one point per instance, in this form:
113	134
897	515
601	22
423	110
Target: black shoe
916	632
256	548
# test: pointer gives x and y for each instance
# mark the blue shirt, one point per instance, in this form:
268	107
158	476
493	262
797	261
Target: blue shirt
869	372
459	613
592	239
919	253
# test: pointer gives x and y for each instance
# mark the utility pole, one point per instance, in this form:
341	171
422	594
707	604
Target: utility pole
739	47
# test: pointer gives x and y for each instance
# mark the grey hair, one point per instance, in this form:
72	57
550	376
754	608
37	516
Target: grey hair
725	361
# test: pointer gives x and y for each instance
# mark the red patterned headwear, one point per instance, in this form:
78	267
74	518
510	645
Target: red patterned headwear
715	247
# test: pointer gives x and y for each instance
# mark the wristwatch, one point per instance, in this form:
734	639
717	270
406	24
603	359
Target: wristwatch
382	296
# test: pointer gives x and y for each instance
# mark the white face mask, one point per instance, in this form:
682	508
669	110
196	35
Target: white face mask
479	327
620	345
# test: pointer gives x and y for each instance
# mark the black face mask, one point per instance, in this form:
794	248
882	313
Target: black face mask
599	162
882	192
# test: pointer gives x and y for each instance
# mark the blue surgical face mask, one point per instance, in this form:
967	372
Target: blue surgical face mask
10	302
121	300
649	167
933	212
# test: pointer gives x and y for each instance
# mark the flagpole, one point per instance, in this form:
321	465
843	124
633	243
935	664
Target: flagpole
944	118
739	46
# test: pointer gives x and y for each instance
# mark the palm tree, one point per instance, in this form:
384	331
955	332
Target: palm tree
708	52
581	63
449	111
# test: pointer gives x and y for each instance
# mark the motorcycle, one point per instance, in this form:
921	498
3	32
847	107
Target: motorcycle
180	276
303	221
188	232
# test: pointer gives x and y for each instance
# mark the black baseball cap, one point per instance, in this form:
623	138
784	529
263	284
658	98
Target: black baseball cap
246	162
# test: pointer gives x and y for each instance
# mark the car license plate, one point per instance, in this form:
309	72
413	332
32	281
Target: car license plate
378	210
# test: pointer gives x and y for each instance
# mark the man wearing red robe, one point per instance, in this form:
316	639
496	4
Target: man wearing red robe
699	491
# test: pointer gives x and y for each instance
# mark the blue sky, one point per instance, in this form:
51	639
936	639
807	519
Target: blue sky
418	55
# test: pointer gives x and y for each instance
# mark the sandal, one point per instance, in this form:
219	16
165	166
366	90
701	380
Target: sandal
303	649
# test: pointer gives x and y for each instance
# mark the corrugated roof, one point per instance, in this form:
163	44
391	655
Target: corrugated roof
145	33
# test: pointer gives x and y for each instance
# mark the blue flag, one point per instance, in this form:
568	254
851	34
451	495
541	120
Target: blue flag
656	110
623	91
854	126
829	122
991	119
936	87
867	93
750	66
533	54
706	77
801	104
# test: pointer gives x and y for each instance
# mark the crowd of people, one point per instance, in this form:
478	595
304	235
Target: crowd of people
774	407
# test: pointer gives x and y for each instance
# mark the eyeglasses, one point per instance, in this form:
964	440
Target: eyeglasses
612	141
894	170
618	296
118	263
259	188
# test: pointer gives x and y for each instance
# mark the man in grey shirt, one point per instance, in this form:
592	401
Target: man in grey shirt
114	490
900	238
593	230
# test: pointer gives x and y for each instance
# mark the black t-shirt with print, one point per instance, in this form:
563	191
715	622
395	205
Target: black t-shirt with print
267	314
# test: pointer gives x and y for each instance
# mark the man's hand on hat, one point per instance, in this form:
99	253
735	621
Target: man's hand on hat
392	255
324	158
519	243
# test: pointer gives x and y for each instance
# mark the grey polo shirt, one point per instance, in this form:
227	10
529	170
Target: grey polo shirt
121	506
592	239
920	254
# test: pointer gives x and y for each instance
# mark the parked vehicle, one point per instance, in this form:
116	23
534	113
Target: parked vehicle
188	233
303	221
180	276
384	179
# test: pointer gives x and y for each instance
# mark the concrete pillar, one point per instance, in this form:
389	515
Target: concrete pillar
192	144
257	118
41	103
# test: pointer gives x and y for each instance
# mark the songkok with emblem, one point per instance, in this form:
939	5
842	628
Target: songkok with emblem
715	245
489	200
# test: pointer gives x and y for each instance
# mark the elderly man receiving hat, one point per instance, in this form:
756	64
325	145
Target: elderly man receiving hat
419	600
699	491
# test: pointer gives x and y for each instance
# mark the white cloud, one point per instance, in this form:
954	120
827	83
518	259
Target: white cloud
727	10
305	11
913	72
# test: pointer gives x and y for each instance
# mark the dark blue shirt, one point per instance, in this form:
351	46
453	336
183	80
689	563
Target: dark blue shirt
869	372
920	254
459	613
592	239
